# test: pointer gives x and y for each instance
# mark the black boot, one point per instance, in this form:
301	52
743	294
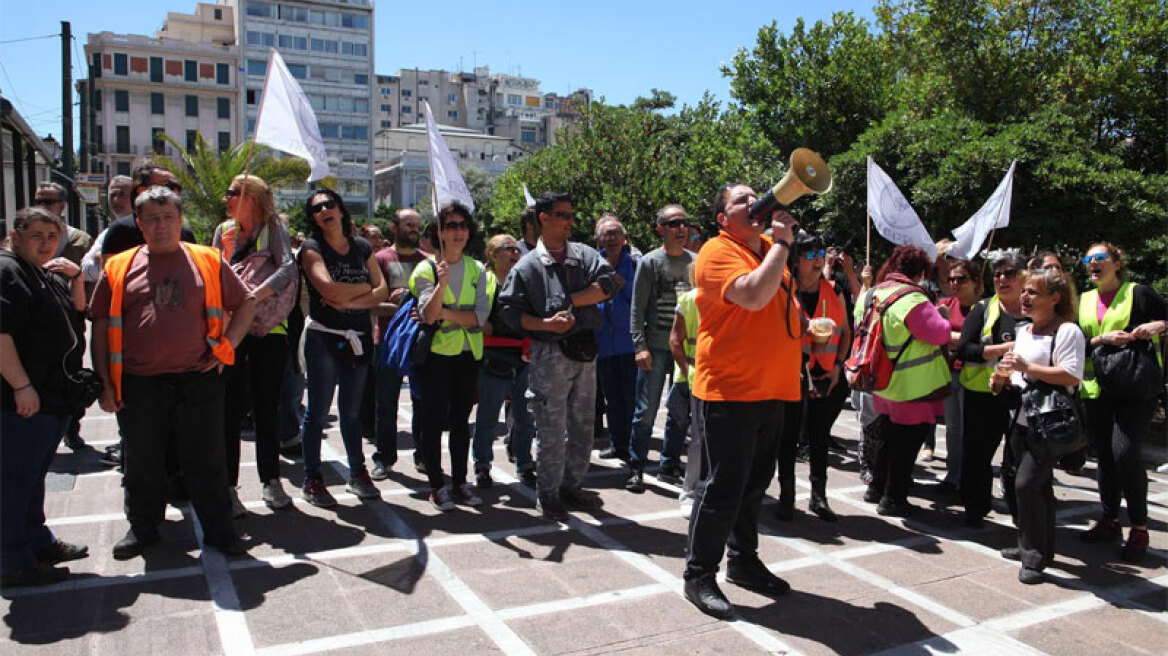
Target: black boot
818	503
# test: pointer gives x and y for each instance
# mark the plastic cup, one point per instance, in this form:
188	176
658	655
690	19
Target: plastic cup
821	329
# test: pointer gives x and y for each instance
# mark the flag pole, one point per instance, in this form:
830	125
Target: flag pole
990	243
868	248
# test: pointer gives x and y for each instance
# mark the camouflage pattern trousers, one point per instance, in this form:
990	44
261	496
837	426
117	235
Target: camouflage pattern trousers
562	398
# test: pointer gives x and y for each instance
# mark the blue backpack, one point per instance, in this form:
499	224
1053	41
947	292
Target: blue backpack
397	345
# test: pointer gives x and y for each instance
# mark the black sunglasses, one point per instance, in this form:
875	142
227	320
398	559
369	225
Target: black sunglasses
675	223
231	193
44	201
324	205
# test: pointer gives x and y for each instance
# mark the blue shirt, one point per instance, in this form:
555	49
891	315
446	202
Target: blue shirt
614	337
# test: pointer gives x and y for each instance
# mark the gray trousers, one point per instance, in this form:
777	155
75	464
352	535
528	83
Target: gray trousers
562	398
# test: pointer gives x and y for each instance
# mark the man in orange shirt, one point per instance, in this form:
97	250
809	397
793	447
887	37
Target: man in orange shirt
745	302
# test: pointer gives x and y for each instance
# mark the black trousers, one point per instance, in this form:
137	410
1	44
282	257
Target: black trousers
893	456
787	449
260	362
1034	492
1117	428
741	439
183	411
448	386
984	423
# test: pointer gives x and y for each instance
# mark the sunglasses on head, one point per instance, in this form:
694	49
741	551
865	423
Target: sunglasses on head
324	205
811	255
1098	257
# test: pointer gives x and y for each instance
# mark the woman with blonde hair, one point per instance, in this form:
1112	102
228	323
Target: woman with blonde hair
256	243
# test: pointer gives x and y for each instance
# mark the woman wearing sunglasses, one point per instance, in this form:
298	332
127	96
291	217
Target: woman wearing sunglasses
452	292
965	290
257	236
1117	313
344	282
987	335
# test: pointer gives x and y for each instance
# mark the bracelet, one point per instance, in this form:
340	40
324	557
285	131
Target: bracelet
784	243
22	388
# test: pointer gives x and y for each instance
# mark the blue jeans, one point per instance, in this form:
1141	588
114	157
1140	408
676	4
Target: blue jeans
328	368
650	384
26	450
618	379
492	392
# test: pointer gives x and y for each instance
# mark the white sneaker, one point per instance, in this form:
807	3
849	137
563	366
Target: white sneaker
1162	469
687	504
275	496
237	508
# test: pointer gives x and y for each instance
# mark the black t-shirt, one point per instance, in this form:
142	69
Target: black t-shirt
348	268
37	312
1005	330
123	234
1147	306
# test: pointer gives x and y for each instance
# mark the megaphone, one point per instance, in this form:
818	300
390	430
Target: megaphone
808	174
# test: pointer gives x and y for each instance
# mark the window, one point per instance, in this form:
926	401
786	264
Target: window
121	100
406	109
354	49
514	99
224	141
294	42
224	107
360	78
251	126
156	142
99	136
355	21
527	135
157	104
122	134
385	91
294	14
355	132
192	103
406	93
361	106
550	103
251	96
298	71
156	69
261	9
222	73
97	99
95	67
330	18
257	67
324	45
328	130
425	82
218	14
121	64
122	168
387	124
388	109
191	70
260	38
452	97
192	139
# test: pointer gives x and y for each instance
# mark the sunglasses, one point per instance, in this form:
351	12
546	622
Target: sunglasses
675	223
44	201
508	249
811	255
456	225
324	205
1006	273
231	193
567	216
957	280
1098	257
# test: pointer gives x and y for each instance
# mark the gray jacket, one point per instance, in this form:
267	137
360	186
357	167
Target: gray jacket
533	287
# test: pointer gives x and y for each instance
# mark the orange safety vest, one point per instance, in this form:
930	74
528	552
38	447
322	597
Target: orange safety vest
826	355
207	260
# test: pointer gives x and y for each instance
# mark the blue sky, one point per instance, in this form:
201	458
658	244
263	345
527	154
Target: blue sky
618	49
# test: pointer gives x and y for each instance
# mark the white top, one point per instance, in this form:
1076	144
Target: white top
1070	353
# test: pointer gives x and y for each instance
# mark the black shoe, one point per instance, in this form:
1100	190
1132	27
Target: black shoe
872	495
112	456
803	453
613	453
819	506
74	442
34	576
1030	576
890	508
379	472
552	508
581	499
636	483
483	480
1011	553
704	593
671	475
751	574
528	478
135	543
61	551
420	466
784	511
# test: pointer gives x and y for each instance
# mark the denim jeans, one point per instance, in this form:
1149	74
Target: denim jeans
492	392
388	385
329	369
650	384
617	375
26	450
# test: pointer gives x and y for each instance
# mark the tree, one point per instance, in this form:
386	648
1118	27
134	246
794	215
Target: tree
205	176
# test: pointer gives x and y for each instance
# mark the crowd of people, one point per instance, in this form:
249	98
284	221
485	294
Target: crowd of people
574	343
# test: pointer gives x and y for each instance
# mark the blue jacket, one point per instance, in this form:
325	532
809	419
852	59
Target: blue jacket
614	337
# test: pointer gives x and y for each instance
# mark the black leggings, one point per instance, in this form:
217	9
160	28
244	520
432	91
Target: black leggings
1117	428
894	453
983	424
260	362
448	386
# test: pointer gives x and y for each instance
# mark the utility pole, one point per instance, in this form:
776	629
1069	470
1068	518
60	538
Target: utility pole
67	167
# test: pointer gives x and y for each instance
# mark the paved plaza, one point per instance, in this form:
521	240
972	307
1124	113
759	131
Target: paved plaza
395	576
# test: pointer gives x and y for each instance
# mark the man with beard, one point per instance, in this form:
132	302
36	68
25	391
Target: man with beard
397	263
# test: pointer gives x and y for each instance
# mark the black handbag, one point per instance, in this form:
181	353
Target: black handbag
1130	371
503	363
82	389
580	347
1054	415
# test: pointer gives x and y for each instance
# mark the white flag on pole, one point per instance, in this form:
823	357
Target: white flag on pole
527	196
286	121
448	183
893	217
994	214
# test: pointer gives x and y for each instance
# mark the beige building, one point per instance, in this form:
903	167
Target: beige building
183	81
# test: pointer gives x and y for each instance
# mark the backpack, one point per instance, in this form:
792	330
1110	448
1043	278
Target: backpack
869	369
406	342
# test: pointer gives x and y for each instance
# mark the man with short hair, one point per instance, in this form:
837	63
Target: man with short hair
662	275
750	354
166	318
73	242
552	294
529	226
124	234
118	200
616	370
397	263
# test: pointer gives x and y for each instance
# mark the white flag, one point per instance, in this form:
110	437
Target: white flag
994	214
448	183
893	217
286	121
528	197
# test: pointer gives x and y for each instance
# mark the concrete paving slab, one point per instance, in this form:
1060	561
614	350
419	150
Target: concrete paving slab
1102	631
